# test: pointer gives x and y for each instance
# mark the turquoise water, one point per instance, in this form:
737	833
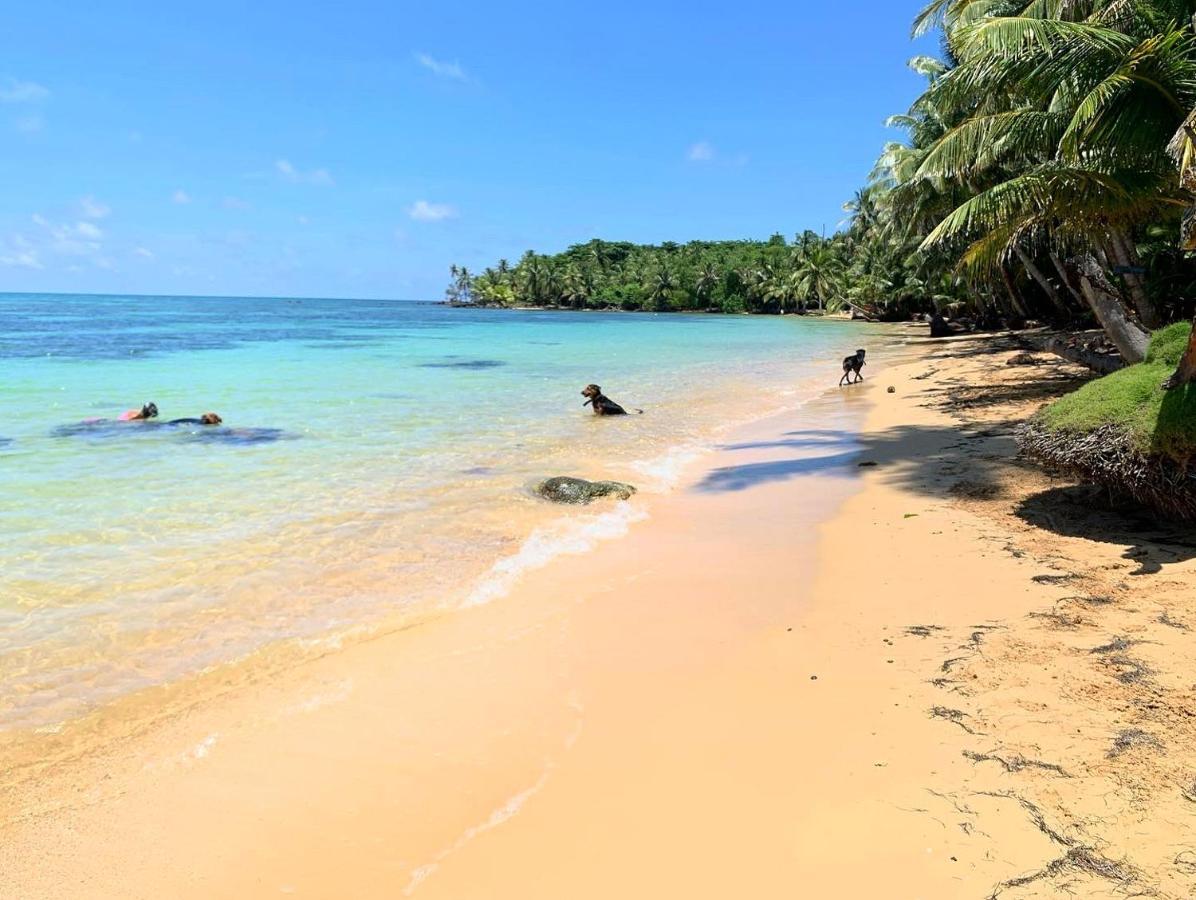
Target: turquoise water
373	464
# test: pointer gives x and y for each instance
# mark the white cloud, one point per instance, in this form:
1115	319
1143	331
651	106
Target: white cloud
13	91
93	208
234	203
320	177
80	239
450	70
17	252
143	252
72	244
702	151
423	211
180	196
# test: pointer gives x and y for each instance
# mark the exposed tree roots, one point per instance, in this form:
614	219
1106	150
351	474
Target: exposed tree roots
1107	456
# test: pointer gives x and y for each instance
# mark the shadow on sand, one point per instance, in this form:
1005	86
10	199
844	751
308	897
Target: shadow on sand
1088	512
973	462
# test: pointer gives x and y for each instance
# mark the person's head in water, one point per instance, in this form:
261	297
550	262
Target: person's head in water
149	411
210	418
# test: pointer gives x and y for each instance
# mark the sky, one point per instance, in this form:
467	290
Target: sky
357	149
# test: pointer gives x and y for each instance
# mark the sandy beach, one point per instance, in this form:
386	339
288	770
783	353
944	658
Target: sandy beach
878	657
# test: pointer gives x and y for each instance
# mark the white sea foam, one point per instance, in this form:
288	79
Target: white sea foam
204	747
497	816
565	537
664	472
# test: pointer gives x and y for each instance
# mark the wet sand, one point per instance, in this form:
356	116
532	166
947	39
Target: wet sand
767	689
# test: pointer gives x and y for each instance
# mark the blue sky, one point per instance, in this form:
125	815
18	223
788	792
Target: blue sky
357	149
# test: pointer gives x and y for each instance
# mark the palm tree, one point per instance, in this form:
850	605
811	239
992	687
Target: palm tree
573	290
708	278
820	274
1062	141
661	285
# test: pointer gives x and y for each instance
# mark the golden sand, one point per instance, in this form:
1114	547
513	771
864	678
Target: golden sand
767	689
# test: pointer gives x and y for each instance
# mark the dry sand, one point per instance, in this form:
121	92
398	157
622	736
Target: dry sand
941	676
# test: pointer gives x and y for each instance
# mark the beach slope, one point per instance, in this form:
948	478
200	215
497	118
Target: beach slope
863	652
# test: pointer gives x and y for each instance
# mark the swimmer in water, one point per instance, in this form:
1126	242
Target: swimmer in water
149	411
208	418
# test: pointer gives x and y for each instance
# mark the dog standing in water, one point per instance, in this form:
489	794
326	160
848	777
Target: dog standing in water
852	365
602	404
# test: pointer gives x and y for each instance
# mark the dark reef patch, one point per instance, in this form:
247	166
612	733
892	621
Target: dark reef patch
463	364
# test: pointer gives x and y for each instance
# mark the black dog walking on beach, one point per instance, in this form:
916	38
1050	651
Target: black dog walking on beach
852	365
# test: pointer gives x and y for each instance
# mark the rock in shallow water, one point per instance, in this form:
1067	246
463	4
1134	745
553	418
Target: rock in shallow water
563	489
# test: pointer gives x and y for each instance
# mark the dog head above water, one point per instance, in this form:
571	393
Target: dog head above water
592	392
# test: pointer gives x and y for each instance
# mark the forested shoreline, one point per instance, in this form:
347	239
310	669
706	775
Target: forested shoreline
1044	175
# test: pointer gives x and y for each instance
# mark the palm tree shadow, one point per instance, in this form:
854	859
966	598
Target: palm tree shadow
941	461
748	475
1088	512
799	440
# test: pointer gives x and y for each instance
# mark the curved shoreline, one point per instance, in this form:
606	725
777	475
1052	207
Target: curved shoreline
167	754
30	754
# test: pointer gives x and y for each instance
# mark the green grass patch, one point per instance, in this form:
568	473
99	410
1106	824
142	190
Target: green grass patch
1154	420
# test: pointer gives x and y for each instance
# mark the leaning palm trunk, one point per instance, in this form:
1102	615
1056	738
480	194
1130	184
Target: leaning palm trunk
1018	306
1065	278
1126	334
1185	372
1127	259
1036	273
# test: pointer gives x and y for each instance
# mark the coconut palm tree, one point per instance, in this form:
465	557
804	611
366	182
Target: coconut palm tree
1063	147
660	287
708	278
820	275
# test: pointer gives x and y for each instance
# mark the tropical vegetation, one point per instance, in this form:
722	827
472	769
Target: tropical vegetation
772	276
1126	432
1047	173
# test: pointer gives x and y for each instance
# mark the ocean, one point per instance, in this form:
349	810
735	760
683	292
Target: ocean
373	468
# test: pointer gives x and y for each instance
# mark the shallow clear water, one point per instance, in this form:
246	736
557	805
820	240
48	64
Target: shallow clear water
374	462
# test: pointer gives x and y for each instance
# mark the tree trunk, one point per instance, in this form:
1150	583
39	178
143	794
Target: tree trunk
1126	256
1129	338
1185	373
1013	297
1066	279
1101	363
1037	275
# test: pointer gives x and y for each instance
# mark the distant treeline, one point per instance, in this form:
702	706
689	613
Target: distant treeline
1047	172
770	276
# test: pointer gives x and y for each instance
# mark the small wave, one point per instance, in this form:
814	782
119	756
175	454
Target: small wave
565	537
664	472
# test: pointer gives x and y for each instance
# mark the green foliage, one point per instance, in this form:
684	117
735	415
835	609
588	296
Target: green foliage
1048	132
1156	421
1167	345
772	276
